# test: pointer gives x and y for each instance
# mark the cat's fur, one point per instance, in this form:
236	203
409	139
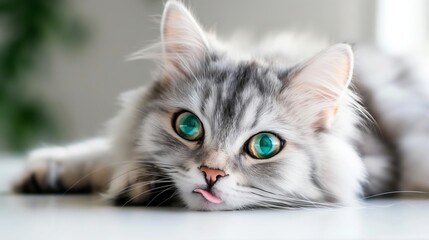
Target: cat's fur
296	87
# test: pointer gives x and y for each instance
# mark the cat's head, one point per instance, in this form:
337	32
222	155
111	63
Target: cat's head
232	133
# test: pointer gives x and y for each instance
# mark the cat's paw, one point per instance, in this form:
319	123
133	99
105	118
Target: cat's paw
45	172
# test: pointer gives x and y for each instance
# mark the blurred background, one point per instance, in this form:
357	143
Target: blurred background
62	63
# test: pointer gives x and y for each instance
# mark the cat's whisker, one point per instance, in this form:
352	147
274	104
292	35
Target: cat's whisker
146	174
104	167
144	192
391	193
153	198
168	199
261	201
282	197
113	164
132	187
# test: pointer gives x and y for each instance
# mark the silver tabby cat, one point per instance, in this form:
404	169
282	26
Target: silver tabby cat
275	126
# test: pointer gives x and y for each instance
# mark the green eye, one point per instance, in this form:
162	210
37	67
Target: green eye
264	145
188	126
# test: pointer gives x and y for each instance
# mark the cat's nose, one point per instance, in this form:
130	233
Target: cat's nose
212	175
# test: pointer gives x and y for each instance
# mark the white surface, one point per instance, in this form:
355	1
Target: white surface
86	217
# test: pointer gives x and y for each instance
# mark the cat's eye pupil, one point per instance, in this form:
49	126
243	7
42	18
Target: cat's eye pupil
264	145
188	126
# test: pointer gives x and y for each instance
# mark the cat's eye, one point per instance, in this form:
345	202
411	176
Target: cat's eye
263	145
188	126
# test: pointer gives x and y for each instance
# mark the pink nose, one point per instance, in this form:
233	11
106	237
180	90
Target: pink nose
212	175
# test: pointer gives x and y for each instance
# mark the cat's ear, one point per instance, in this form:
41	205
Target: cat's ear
183	40
320	83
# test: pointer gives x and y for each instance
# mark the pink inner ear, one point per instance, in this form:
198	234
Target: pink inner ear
325	118
323	80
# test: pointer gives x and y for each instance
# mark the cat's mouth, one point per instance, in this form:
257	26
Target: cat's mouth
208	195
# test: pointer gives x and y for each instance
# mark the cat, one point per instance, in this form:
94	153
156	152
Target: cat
278	125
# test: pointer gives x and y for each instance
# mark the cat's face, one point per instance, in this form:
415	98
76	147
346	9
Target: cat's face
229	113
231	133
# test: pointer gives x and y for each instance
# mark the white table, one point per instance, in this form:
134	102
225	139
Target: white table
86	217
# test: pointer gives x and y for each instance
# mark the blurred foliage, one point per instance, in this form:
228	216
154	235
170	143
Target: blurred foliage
28	28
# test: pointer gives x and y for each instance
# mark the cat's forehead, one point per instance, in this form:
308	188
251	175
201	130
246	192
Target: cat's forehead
241	74
233	97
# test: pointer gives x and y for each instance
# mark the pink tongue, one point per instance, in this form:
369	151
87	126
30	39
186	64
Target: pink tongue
208	195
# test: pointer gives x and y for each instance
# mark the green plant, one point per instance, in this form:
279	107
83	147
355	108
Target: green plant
29	27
